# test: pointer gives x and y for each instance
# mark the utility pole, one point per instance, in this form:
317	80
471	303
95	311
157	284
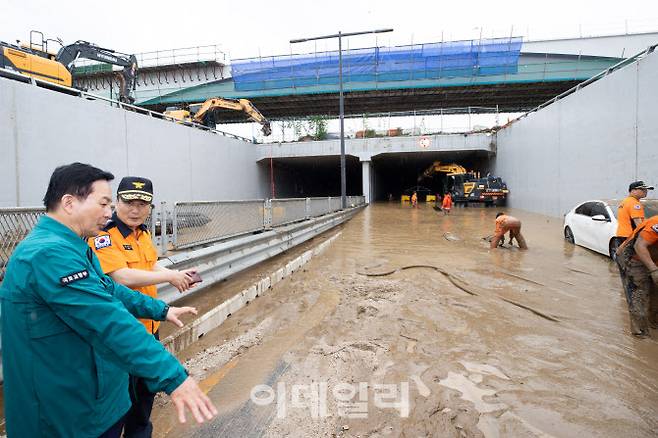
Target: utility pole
341	104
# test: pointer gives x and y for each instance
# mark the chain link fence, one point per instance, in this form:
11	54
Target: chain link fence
353	201
285	211
15	224
335	204
190	224
319	206
195	223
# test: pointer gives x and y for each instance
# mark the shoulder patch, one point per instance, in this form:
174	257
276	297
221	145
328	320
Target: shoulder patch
655	228
637	207
102	242
68	279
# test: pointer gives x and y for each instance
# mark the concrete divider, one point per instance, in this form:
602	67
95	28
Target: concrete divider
212	319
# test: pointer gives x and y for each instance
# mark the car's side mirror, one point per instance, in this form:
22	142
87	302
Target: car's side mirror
599	218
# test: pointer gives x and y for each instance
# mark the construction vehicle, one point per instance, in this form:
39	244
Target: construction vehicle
466	186
35	60
204	113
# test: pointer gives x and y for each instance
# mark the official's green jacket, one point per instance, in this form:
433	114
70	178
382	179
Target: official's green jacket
70	338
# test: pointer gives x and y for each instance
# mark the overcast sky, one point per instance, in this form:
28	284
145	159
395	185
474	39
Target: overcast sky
249	28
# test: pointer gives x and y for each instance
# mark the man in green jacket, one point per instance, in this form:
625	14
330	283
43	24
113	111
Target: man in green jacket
69	333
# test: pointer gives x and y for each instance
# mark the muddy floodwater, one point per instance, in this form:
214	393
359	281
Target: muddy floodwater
409	325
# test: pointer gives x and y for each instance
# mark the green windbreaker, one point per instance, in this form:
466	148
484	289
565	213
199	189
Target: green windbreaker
70	338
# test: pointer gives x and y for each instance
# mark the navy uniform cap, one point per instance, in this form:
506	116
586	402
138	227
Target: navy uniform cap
135	187
639	185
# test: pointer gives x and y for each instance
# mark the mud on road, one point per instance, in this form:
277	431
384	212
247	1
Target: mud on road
465	342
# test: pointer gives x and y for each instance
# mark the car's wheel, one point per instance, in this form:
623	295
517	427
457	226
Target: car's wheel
612	249
568	235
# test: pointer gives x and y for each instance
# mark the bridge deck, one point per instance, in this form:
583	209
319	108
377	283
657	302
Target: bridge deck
539	78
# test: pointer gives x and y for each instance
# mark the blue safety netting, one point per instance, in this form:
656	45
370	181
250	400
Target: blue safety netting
421	61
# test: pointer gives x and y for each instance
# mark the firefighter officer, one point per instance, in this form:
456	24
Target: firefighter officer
127	254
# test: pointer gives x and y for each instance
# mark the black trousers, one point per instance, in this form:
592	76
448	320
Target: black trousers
138	419
115	430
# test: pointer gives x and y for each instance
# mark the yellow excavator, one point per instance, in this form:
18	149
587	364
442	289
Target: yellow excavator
203	113
437	166
468	186
36	60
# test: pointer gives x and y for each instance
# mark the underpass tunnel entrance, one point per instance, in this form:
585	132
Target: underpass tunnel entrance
400	174
311	176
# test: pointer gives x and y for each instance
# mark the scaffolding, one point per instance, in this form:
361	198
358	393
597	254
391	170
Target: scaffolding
483	57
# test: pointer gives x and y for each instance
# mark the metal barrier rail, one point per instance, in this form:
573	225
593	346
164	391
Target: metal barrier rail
196	223
335	204
285	211
191	224
353	201
202	223
15	224
319	206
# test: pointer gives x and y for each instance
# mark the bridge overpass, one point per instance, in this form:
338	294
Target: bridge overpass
537	78
546	68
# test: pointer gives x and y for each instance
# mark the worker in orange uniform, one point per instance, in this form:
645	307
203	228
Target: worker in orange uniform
414	200
127	254
446	204
638	259
631	212
504	224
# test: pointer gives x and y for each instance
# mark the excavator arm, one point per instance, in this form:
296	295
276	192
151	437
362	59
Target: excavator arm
437	167
67	55
244	105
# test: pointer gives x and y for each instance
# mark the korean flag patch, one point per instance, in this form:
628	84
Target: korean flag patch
655	228
102	242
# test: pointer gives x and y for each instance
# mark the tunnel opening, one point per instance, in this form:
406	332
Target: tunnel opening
392	174
302	177
400	174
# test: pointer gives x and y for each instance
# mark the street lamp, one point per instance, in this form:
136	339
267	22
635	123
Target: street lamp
341	108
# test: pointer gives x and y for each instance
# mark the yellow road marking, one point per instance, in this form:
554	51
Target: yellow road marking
211	381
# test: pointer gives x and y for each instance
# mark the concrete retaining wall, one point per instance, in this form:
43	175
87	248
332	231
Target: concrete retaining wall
42	129
589	145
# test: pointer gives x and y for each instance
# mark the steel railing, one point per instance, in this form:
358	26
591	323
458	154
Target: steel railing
201	223
191	224
196	223
285	211
319	206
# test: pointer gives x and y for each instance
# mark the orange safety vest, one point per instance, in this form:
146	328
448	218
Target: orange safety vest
118	246
447	202
629	209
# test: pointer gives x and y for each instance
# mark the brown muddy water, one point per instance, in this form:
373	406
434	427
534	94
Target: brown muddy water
469	342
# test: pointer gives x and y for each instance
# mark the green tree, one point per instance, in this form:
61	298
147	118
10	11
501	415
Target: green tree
317	127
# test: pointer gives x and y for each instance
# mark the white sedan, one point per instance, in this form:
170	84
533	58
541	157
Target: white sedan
593	224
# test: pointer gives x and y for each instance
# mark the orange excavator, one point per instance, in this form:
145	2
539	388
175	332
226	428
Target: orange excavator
203	113
36	60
